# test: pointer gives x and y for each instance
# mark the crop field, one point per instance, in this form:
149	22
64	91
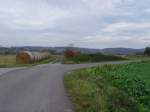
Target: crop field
10	61
110	88
86	58
7	60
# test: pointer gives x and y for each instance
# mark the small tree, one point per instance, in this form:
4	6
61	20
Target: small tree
147	51
70	53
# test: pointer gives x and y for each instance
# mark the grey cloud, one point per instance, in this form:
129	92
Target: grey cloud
59	22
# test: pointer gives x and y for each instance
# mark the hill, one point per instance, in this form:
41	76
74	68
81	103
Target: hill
122	51
59	50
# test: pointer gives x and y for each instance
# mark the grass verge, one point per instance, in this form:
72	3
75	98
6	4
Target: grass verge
110	88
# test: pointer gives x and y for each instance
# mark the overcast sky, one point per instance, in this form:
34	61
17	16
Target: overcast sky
86	23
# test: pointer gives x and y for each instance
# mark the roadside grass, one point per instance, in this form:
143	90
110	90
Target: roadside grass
110	88
87	58
10	61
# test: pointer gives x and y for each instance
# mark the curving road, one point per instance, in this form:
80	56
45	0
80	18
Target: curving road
37	89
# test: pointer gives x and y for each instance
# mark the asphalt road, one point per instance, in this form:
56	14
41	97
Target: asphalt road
6	70
37	89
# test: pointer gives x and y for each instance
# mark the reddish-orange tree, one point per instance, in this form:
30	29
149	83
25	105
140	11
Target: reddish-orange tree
70	53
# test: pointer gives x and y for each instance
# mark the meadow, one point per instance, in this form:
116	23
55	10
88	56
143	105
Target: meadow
110	88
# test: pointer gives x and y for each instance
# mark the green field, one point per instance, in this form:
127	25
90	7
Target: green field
138	57
87	58
110	88
10	61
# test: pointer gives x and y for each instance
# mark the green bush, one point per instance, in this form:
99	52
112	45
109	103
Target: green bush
82	58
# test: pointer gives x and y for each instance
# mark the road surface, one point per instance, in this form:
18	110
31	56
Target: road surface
37	89
5	70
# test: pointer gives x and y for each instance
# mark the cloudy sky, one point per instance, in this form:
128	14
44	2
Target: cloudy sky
86	23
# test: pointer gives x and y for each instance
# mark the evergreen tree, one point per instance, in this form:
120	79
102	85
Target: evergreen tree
147	51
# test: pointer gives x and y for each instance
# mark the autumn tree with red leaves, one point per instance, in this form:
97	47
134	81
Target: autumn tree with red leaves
70	52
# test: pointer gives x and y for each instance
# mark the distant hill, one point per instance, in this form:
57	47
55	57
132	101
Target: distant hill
81	50
113	51
122	51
